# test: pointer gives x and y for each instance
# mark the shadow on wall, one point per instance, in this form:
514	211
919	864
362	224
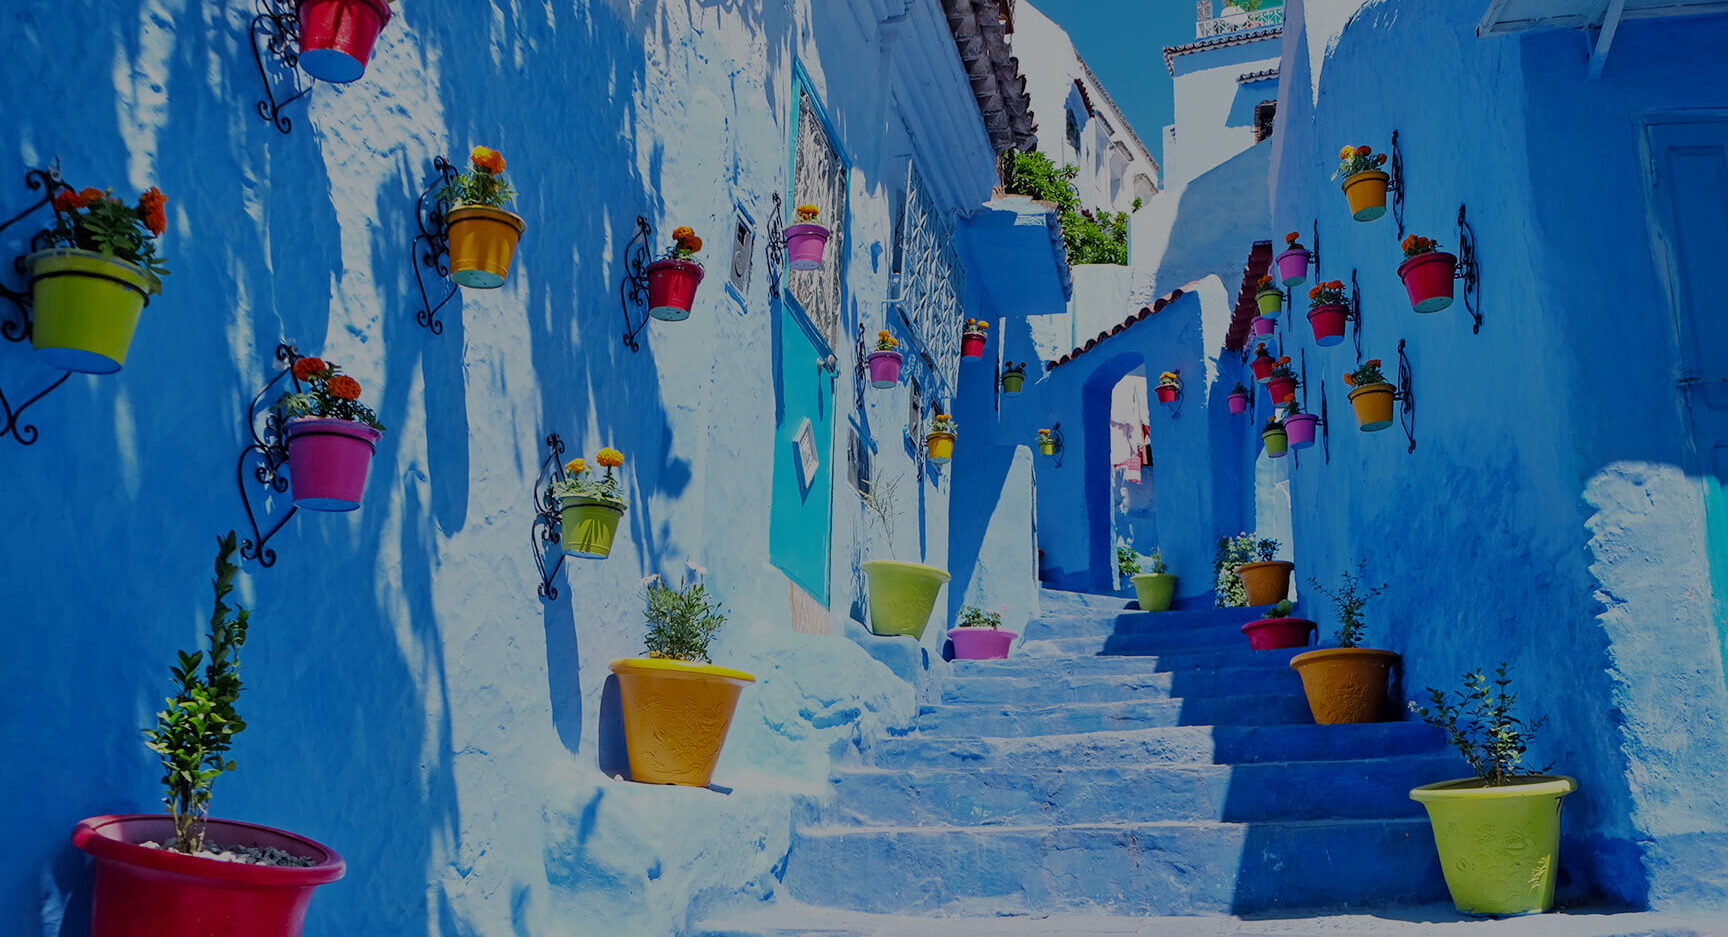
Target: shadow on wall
1217	215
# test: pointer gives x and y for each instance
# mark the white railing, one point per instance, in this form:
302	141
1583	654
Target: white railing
1232	22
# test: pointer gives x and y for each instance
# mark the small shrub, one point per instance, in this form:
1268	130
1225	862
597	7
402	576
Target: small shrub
1158	565
1127	562
1090	238
681	622
1479	722
974	617
1350	598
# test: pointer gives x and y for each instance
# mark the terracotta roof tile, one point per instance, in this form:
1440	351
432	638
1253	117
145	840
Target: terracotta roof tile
1123	326
1259	261
1219	41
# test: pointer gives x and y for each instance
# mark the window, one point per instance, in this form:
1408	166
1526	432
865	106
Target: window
1074	133
928	281
1263	113
819	178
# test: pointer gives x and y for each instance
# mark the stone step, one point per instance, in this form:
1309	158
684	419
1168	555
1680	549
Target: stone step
1312	790
1028	717
1088	686
1173	662
1175	745
1126	868
1058	600
1139	644
1092	623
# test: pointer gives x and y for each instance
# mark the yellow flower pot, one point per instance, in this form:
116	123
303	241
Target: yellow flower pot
1373	403
85	308
1367	194
941	446
676	714
1047	448
482	244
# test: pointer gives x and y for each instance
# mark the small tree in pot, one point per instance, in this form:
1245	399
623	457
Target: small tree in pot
1346	683
902	595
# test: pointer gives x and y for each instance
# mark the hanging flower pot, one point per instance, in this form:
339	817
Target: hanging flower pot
1281	382
1267	581
331	437
972	338
589	506
1013	379
1300	428
672	280
1364	183
885	361
1427	272
336	37
142	891
1277	630
1327	312
85	306
1270	298
1169	387
482	234
902	596
1372	396
806	240
1238	400
1293	263
1261	328
941	438
1046	442
1277	441
1262	364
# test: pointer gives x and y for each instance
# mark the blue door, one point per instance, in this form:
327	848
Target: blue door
798	533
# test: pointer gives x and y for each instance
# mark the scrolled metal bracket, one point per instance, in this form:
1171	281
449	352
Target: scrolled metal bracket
431	247
1406	397
1314	252
1325	423
48	182
276	34
1469	271
267	454
633	289
774	252
1175	406
1395	187
860	369
1056	434
1356	314
545	532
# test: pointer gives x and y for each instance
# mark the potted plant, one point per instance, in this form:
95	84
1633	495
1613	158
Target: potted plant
1169	387
1281	382
941	438
1155	589
1013	379
1275	437
1046	442
806	240
1327	312
1238	400
483	235
901	594
972	338
1262	364
90	285
1346	683
1279	629
978	635
672	280
677	705
1266	580
331	436
1261	328
1427	273
183	872
1364	182
589	505
885	361
1270	298
337	36
1371	395
1299	427
1293	263
1498	833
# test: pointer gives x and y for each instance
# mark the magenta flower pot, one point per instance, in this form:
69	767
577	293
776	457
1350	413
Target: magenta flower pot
1328	324
1300	428
327	462
1428	280
1270	634
1293	266
981	643
804	246
1262	327
672	288
884	369
1238	404
972	345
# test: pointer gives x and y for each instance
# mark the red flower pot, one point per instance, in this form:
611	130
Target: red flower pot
336	37
1262	369
1428	280
672	288
1281	387
144	892
1167	393
972	345
1270	634
1328	324
1238	404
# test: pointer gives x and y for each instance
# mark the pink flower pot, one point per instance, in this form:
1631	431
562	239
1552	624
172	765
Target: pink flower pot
972	345
1167	393
1300	428
145	892
1270	634
981	643
884	369
1261	328
1238	404
1293	266
1328	324
327	462
804	245
672	288
1428	280
336	37
1281	387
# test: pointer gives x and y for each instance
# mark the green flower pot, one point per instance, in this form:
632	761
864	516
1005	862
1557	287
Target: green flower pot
902	596
588	525
1156	591
1013	382
85	308
1271	303
1499	846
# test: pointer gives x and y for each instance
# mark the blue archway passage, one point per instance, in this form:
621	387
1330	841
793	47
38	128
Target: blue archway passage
1095	401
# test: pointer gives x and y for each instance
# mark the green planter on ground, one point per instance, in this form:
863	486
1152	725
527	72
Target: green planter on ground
902	596
1499	846
1155	590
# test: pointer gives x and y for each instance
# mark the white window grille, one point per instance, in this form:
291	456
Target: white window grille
819	178
928	283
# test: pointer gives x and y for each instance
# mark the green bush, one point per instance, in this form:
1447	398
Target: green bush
1091	238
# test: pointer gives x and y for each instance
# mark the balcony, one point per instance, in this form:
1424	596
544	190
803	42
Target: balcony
1239	20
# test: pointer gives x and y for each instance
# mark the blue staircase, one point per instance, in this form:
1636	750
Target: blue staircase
1120	764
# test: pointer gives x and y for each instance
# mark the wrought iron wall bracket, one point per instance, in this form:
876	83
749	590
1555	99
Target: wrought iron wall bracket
1356	314
1396	186
1406	397
266	454
860	369
1314	252
774	251
1469	271
545	532
1175	406
48	182
1325	423
276	35
430	249
633	289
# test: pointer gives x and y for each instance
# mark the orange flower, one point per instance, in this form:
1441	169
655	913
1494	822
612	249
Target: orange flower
487	159
1346	152
1314	293
1373	362
1363	151
150	205
68	200
683	231
1349	380
609	457
344	387
1291	237
576	466
1265	283
1289	398
693	244
306	367
91	196
1380	160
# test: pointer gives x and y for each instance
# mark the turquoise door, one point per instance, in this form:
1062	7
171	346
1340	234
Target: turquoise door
798	534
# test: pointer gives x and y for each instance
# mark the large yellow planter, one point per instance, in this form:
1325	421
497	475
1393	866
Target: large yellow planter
85	308
675	717
482	244
1345	684
1499	846
941	446
1373	403
1266	583
1367	194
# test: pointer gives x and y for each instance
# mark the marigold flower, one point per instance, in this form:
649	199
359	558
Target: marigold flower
1261	350
68	200
1380	160
693	244
487	160
1363	150
344	387
576	466
305	368
1347	152
983	325
1314	293
683	231
609	457
882	334
808	212
1348	379
1284	360
91	195
1265	282
1373	362
1291	237
150	205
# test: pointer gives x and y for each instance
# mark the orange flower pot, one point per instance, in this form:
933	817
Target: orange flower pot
941	446
1373	403
482	244
1367	194
1345	684
1267	583
676	715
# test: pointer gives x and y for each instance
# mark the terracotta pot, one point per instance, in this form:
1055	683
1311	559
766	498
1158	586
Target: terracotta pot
1270	634
1366	192
1373	403
1268	583
1345	684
